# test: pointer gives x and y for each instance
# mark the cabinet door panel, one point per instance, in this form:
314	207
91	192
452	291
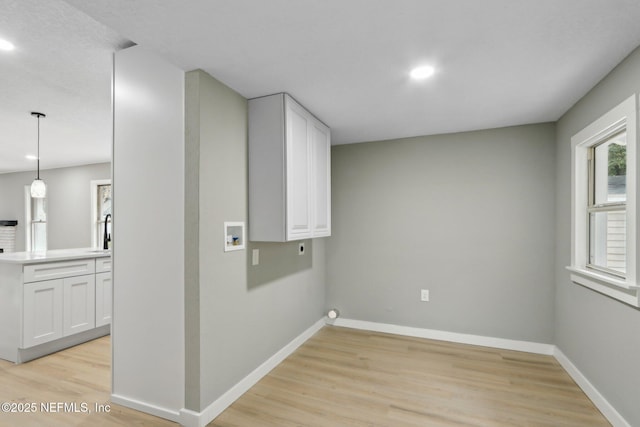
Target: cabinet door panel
298	202
79	304
321	167
104	299
42	312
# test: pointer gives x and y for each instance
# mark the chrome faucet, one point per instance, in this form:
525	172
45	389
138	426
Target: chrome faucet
107	236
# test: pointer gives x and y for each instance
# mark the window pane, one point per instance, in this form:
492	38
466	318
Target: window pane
611	170
38	224
39	209
607	240
104	200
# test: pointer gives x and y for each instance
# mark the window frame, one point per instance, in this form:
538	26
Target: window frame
620	118
29	228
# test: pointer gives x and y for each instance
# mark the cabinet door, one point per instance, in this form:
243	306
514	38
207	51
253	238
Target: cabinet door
297	172
42	312
79	312
104	299
321	173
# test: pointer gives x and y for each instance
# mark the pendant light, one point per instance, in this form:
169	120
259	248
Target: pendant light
38	188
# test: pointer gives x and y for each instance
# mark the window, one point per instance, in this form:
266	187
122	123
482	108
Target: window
603	204
36	220
607	205
100	208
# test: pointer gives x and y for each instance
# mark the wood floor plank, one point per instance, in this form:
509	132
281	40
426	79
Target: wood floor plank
345	377
80	374
340	377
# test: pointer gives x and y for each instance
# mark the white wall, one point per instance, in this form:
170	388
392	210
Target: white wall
68	198
148	233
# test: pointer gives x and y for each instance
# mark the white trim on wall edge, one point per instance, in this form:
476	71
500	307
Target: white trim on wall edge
598	399
148	408
190	418
433	334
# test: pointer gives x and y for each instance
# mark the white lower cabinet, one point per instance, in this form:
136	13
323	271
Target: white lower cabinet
68	303
54	303
79	310
104	298
58	308
42	320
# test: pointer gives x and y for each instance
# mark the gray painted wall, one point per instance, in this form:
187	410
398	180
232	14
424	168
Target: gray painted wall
469	216
68	198
600	335
238	315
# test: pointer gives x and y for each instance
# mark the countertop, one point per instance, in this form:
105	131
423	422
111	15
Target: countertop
53	255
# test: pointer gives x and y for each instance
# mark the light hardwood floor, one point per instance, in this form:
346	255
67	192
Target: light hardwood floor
340	377
344	377
76	375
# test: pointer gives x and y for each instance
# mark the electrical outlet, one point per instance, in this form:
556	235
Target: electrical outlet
301	248
255	260
424	295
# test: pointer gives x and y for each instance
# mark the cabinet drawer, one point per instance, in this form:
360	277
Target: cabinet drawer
58	270
103	265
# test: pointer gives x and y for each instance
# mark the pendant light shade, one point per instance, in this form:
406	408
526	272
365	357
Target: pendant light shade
38	187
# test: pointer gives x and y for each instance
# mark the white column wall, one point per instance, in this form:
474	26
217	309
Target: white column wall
148	233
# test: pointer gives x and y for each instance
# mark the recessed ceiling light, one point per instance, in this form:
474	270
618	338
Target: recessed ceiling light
31	157
422	72
6	45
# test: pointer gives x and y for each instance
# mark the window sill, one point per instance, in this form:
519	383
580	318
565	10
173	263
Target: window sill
615	288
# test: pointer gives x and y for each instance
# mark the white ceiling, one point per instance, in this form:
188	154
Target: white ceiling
499	62
61	67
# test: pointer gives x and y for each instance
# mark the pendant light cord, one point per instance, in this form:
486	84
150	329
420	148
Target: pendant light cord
38	174
38	115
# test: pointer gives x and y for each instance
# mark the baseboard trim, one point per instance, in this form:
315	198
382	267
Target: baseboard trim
190	418
28	354
502	343
589	389
146	407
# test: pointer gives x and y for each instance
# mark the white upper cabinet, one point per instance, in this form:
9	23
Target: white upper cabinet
289	171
